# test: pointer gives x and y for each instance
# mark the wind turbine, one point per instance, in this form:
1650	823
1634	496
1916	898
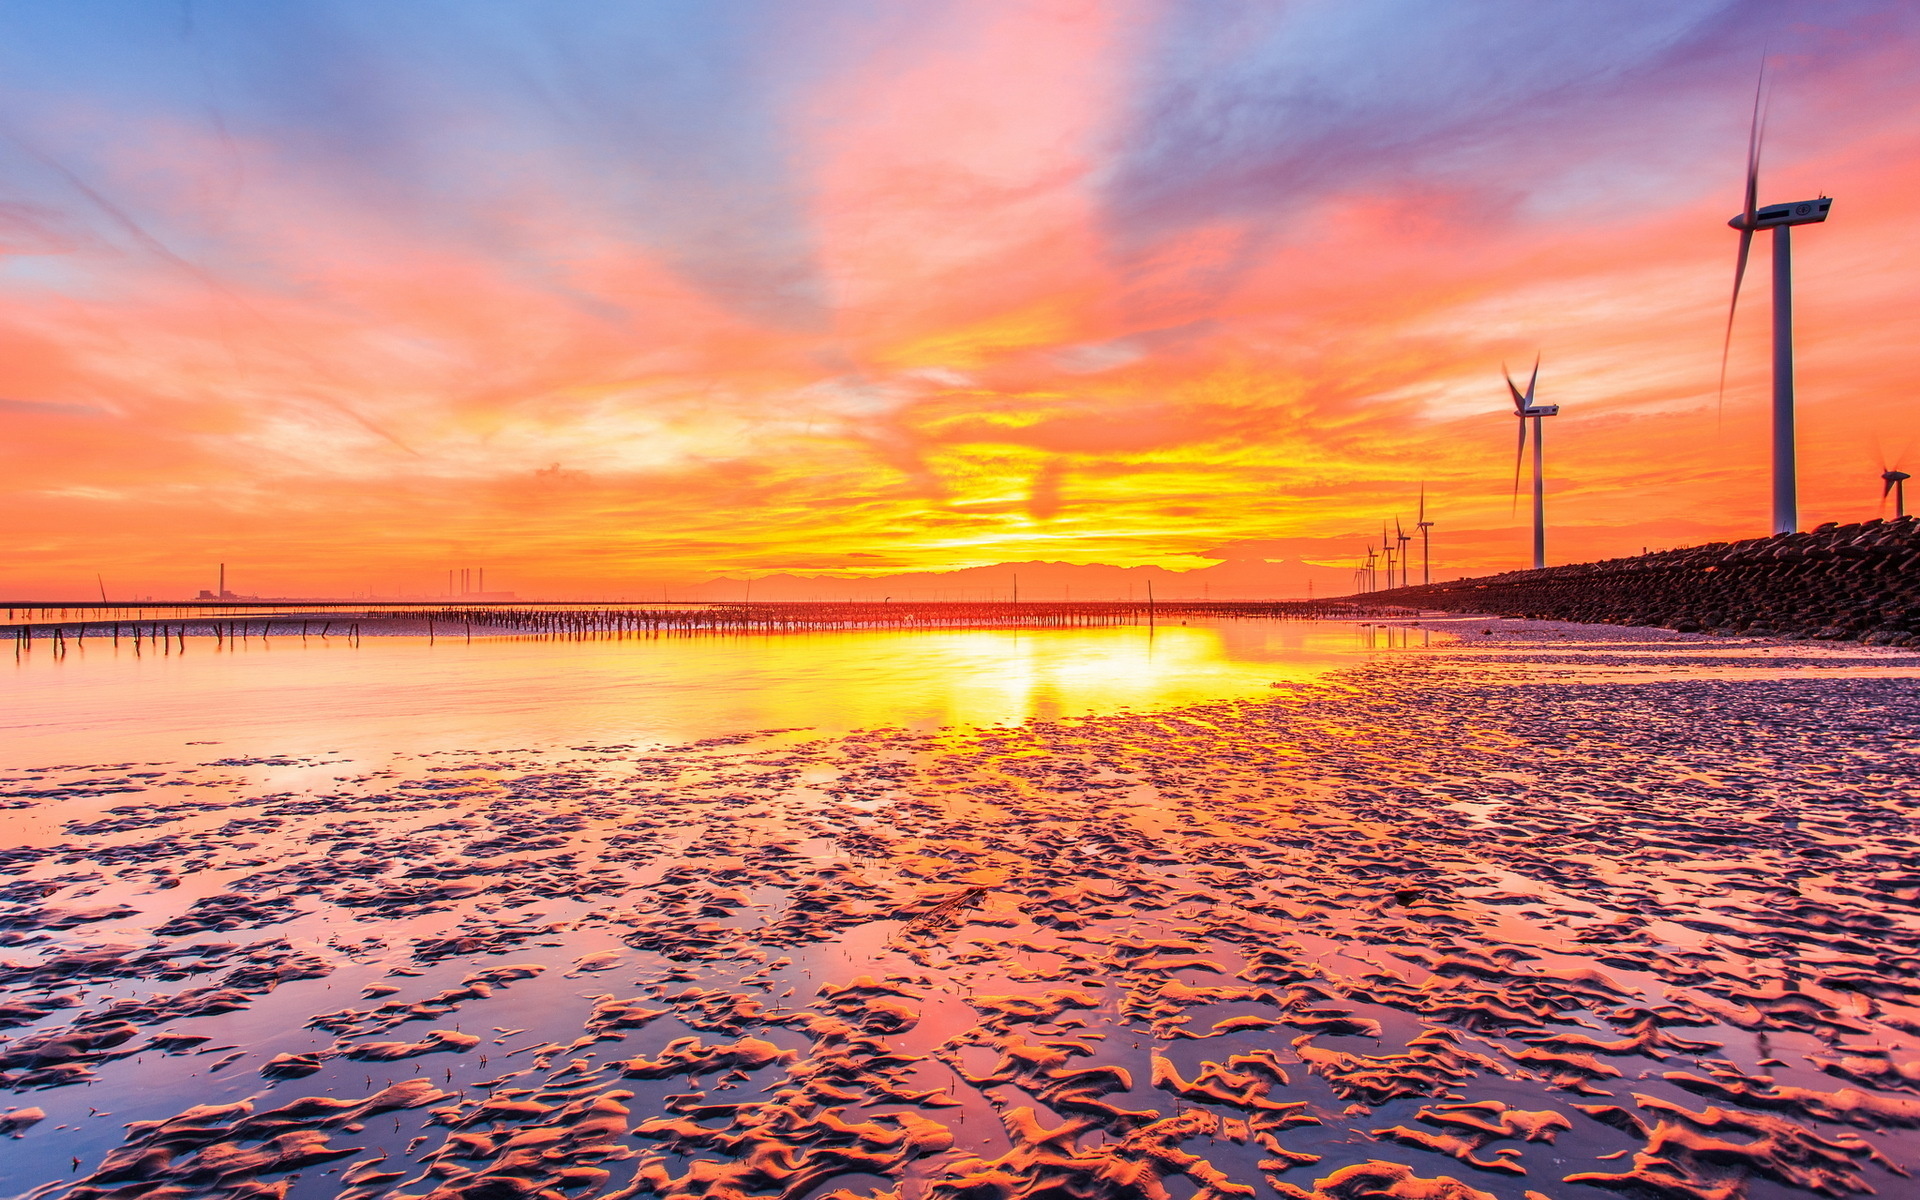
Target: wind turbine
1525	409
1780	218
1403	537
1426	539
1896	483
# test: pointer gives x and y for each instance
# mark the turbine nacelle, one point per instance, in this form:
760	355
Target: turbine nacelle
1538	410
1773	216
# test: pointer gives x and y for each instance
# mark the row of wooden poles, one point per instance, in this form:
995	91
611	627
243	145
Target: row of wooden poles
166	636
788	617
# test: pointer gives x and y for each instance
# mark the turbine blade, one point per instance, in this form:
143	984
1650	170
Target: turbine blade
1519	456
1733	306
1756	133
1533	379
1519	401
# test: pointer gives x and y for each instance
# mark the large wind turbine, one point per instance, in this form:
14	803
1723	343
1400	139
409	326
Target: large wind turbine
1780	218
1526	409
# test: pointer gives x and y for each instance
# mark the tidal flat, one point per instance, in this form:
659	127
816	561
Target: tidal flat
1534	910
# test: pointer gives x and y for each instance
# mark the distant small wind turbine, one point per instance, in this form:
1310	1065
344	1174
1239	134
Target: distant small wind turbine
1426	539
1525	409
1403	537
1896	483
1780	218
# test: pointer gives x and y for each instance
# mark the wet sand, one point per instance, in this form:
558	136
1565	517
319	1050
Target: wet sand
1553	911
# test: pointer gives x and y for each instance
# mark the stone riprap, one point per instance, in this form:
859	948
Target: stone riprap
1838	582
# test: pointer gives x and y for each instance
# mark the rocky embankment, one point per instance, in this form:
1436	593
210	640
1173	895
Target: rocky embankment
1839	582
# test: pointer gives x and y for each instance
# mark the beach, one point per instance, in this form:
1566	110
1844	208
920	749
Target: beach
1508	908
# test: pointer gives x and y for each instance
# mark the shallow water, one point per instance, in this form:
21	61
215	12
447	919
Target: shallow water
293	695
1427	925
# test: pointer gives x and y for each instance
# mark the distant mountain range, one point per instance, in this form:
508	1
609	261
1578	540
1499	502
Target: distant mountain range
1238	580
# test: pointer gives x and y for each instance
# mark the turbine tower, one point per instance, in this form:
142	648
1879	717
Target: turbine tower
1426	539
1781	218
1526	409
1896	483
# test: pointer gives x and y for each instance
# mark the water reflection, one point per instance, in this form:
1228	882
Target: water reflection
1396	637
289	695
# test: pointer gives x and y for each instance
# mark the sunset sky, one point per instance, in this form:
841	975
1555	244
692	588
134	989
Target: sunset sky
604	296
